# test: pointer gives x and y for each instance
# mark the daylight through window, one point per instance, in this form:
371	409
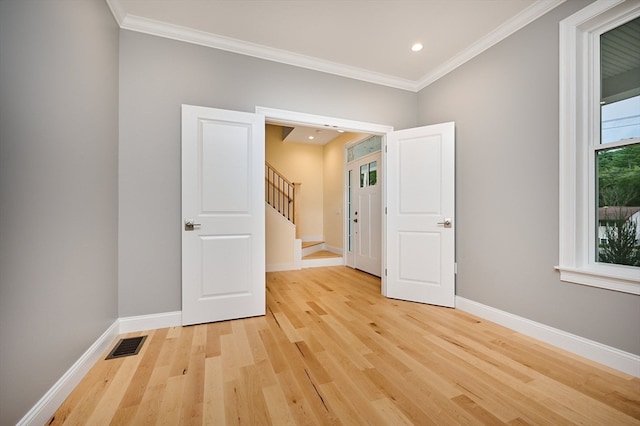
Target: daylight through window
618	168
600	146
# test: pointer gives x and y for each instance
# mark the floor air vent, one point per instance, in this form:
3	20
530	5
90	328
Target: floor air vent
127	347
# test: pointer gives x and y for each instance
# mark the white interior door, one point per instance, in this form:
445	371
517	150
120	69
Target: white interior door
223	253
366	215
420	199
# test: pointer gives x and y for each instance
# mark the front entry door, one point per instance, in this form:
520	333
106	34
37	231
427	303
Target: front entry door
366	215
223	234
420	238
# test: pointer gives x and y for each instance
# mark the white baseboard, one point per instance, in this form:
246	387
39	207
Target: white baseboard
603	354
283	267
322	262
49	403
312	238
335	250
150	322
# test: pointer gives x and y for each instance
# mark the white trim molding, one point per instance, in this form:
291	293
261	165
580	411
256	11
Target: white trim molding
579	104
285	117
594	351
524	18
280	267
188	35
150	322
40	413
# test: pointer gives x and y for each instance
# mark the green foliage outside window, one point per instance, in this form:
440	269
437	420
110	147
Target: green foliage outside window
618	192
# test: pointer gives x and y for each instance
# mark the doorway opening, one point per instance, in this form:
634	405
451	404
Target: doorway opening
369	198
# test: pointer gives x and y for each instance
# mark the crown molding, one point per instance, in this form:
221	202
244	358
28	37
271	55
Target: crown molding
117	11
179	33
518	22
188	35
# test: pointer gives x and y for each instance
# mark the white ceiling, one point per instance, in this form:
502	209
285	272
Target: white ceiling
365	39
310	135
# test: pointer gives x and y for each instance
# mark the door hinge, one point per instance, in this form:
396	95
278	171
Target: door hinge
385	272
385	210
386	148
455	268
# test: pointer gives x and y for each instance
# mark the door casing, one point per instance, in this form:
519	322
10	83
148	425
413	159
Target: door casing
284	117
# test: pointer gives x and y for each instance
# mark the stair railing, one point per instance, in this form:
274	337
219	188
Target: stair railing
279	192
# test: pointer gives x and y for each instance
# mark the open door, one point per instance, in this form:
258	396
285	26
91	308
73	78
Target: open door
420	225
223	223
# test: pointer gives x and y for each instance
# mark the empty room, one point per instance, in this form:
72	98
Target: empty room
462	248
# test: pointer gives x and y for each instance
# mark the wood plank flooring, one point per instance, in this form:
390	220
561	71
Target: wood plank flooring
332	351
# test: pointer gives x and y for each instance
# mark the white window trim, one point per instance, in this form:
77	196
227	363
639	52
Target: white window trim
579	119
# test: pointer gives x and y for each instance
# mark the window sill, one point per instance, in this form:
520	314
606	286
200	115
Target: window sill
627	280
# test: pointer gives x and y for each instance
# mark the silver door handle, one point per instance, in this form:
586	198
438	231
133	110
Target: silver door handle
446	223
188	224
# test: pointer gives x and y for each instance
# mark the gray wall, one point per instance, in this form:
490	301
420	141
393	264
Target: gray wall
60	236
505	105
157	76
58	191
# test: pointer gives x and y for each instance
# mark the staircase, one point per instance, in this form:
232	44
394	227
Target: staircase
284	250
280	193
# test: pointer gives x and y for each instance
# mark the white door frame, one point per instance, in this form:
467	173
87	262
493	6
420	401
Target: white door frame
280	116
284	117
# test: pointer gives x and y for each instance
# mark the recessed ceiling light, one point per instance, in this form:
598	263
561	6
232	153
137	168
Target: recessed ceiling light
310	137
416	47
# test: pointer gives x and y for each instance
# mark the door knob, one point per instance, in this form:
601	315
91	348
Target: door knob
188	224
446	223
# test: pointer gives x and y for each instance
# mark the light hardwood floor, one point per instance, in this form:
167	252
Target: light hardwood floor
332	350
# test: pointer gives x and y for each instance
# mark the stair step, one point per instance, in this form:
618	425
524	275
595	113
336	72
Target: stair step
310	247
322	254
306	244
315	255
322	258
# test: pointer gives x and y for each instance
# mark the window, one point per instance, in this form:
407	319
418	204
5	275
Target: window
369	174
600	146
350	211
366	147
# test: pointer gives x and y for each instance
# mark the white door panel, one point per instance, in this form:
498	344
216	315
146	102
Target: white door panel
225	150
223	260
420	247
420	175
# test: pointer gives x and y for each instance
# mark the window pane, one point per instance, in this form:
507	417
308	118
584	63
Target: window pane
349	212
373	173
620	120
618	227
363	175
366	147
620	82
